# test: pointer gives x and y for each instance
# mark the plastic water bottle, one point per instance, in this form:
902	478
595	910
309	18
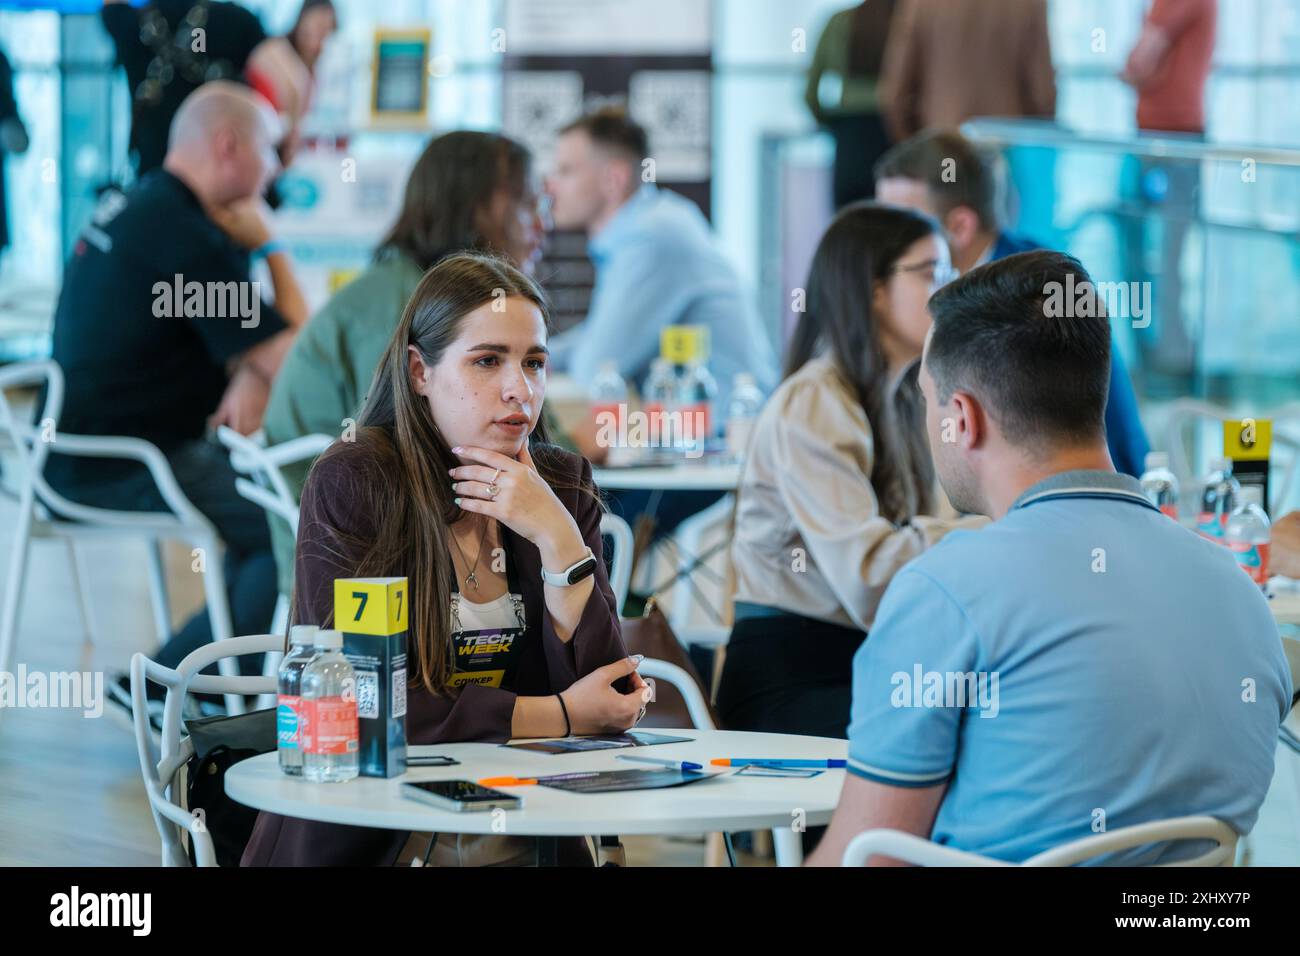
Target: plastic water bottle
698	390
288	708
746	402
608	412
1159	484
660	401
329	735
1248	534
1220	493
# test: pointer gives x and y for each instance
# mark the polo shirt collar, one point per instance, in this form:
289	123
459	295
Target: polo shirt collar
1085	484
181	186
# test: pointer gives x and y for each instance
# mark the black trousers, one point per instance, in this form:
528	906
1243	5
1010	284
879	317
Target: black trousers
789	675
859	141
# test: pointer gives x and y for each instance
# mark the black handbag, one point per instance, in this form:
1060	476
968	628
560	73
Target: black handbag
219	744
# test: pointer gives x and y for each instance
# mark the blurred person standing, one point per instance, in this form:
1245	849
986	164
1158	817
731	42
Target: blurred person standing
467	191
842	93
950	60
1168	67
145	355
171	47
13	138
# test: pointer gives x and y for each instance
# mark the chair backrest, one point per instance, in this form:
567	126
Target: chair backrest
620	575
268	487
921	852
685	684
1176	829
161	764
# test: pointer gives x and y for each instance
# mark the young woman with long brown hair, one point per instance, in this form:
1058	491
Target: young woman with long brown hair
450	482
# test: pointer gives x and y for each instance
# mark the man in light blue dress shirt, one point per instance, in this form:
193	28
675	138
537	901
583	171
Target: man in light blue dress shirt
1083	663
657	264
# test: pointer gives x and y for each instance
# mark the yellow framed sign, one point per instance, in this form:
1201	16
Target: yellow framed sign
399	89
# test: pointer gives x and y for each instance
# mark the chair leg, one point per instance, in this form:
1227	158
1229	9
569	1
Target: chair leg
218	604
9	613
77	565
162	612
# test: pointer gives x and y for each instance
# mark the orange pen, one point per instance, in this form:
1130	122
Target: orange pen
506	782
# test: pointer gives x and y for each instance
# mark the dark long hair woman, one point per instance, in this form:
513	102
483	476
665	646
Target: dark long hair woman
448	481
838	490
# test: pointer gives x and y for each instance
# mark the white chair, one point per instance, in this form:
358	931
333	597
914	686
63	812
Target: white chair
620	573
42	511
910	848
266	486
685	685
162	764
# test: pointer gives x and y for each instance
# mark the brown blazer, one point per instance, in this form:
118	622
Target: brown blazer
548	665
950	60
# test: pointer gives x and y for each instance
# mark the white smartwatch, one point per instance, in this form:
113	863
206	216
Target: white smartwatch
571	575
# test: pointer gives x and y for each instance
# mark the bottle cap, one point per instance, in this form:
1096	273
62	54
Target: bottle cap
329	640
303	635
1220	464
1157	459
743	378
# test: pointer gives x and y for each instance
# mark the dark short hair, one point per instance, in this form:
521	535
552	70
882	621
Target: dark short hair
955	170
613	128
1017	335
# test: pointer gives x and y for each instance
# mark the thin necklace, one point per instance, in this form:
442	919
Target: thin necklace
473	569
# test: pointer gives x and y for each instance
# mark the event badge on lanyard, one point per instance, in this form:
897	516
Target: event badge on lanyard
486	640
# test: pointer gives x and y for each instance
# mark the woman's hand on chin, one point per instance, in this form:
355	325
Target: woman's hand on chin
511	491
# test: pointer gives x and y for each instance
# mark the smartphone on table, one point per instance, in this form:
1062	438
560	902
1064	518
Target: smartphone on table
460	795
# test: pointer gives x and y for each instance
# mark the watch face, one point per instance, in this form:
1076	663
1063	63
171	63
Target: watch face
582	570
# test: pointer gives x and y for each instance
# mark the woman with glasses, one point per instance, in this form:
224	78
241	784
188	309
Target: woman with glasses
838	491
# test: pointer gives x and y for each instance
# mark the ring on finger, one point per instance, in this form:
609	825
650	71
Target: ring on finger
493	490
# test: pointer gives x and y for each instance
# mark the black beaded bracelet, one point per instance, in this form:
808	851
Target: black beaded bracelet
568	728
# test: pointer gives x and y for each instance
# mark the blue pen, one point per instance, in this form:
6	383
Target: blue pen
675	764
775	762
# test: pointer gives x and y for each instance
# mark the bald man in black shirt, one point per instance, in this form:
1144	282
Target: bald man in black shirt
162	334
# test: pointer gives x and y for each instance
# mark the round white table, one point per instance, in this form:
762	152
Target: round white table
719	476
726	803
1285	605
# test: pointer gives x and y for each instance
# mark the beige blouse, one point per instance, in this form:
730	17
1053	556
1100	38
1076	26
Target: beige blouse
809	535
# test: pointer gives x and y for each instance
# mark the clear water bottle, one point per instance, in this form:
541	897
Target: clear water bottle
698	390
660	402
1220	493
288	708
1248	534
608	412
742	412
1159	484
329	734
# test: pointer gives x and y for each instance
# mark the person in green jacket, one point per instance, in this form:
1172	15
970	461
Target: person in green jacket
468	190
842	94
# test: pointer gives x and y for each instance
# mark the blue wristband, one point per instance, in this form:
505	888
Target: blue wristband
270	247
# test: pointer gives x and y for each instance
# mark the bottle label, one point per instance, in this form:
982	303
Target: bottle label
1170	511
287	713
330	726
1253	559
1211	525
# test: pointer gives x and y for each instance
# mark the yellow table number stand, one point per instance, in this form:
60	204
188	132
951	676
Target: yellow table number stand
372	614
1247	443
681	344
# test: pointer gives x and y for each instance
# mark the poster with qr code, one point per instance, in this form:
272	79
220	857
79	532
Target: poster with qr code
367	695
538	103
399	692
673	106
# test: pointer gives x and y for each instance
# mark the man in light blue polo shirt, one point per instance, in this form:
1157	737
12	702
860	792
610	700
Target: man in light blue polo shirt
657	264
1083	663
